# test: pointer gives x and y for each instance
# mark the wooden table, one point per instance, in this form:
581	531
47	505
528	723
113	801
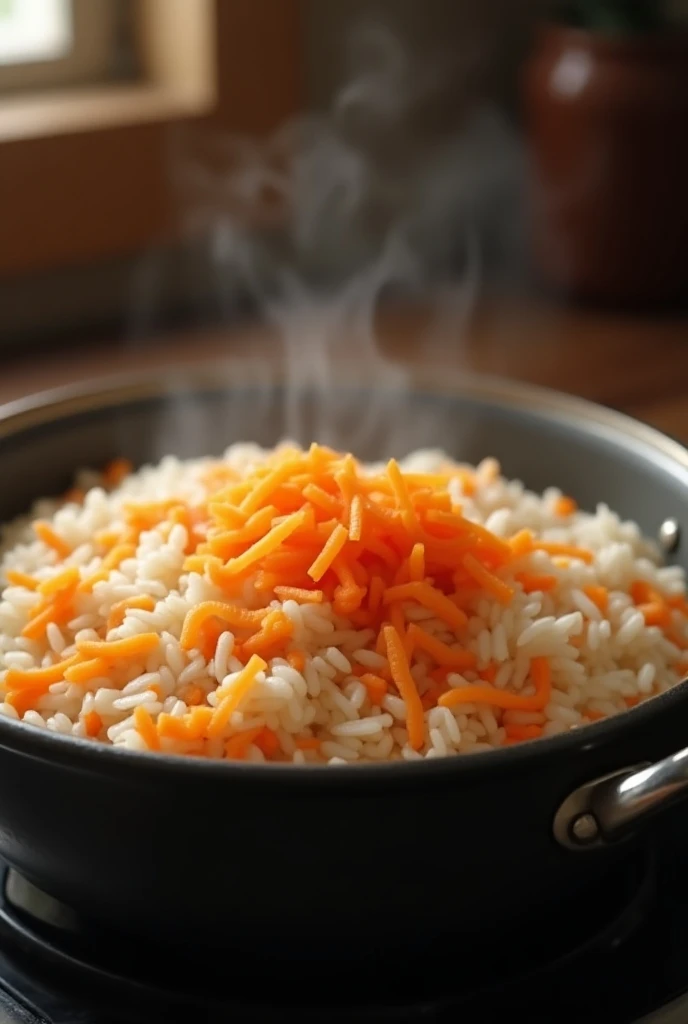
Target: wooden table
637	364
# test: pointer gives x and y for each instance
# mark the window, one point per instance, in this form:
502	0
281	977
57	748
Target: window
48	44
88	115
34	30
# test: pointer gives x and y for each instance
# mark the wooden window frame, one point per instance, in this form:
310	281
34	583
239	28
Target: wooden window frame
85	176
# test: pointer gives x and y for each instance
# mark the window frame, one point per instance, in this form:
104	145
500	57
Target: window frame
94	26
93	187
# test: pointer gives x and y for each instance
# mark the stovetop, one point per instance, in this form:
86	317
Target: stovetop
619	957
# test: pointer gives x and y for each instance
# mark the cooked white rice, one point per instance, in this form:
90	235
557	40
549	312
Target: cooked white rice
601	663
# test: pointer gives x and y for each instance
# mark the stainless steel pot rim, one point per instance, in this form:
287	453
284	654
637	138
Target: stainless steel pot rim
78	754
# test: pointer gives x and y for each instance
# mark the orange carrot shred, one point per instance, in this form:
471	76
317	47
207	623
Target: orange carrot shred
270	542
443	654
237	618
299	594
230	701
522	543
405	684
416	565
132	647
146	728
565	506
93	723
21	579
119	610
567	550
333	546
297	660
45	532
430	598
236	747
523	732
376	687
84	671
267	741
475	693
64	580
356	518
598	595
498	588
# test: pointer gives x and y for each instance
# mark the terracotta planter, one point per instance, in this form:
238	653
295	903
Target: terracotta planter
607	128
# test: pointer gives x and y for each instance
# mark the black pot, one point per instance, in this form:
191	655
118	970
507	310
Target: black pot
340	860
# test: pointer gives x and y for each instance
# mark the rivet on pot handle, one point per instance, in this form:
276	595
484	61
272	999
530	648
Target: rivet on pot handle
607	810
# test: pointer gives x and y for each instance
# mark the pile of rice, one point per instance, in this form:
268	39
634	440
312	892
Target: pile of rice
604	656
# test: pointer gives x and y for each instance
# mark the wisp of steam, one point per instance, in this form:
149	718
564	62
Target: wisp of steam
319	226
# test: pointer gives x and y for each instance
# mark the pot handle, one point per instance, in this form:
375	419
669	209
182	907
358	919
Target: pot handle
607	810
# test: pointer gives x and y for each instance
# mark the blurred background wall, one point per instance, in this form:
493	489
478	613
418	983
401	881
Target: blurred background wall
467	51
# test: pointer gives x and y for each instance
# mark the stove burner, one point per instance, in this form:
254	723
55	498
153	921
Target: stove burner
78	957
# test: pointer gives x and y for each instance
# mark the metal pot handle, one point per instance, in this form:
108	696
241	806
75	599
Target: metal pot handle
606	810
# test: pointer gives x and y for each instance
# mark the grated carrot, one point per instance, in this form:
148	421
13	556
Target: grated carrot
405	684
641	592
427	596
297	660
443	654
238	689
498	588
119	610
237	746
25	699
172	728
84	671
565	506
375	592
598	595
133	647
32	678
45	532
404	503
416	563
267	741
198	721
476	694
93	723
565	550
146	728
523	732
489	673
52	611
356	518
237	618
299	594
260	493
521	543
191	694
65	580
276	628
531	582
270	542
21	579
376	687
332	548
656	613
112	561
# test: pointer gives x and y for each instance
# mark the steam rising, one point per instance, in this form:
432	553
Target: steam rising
338	213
